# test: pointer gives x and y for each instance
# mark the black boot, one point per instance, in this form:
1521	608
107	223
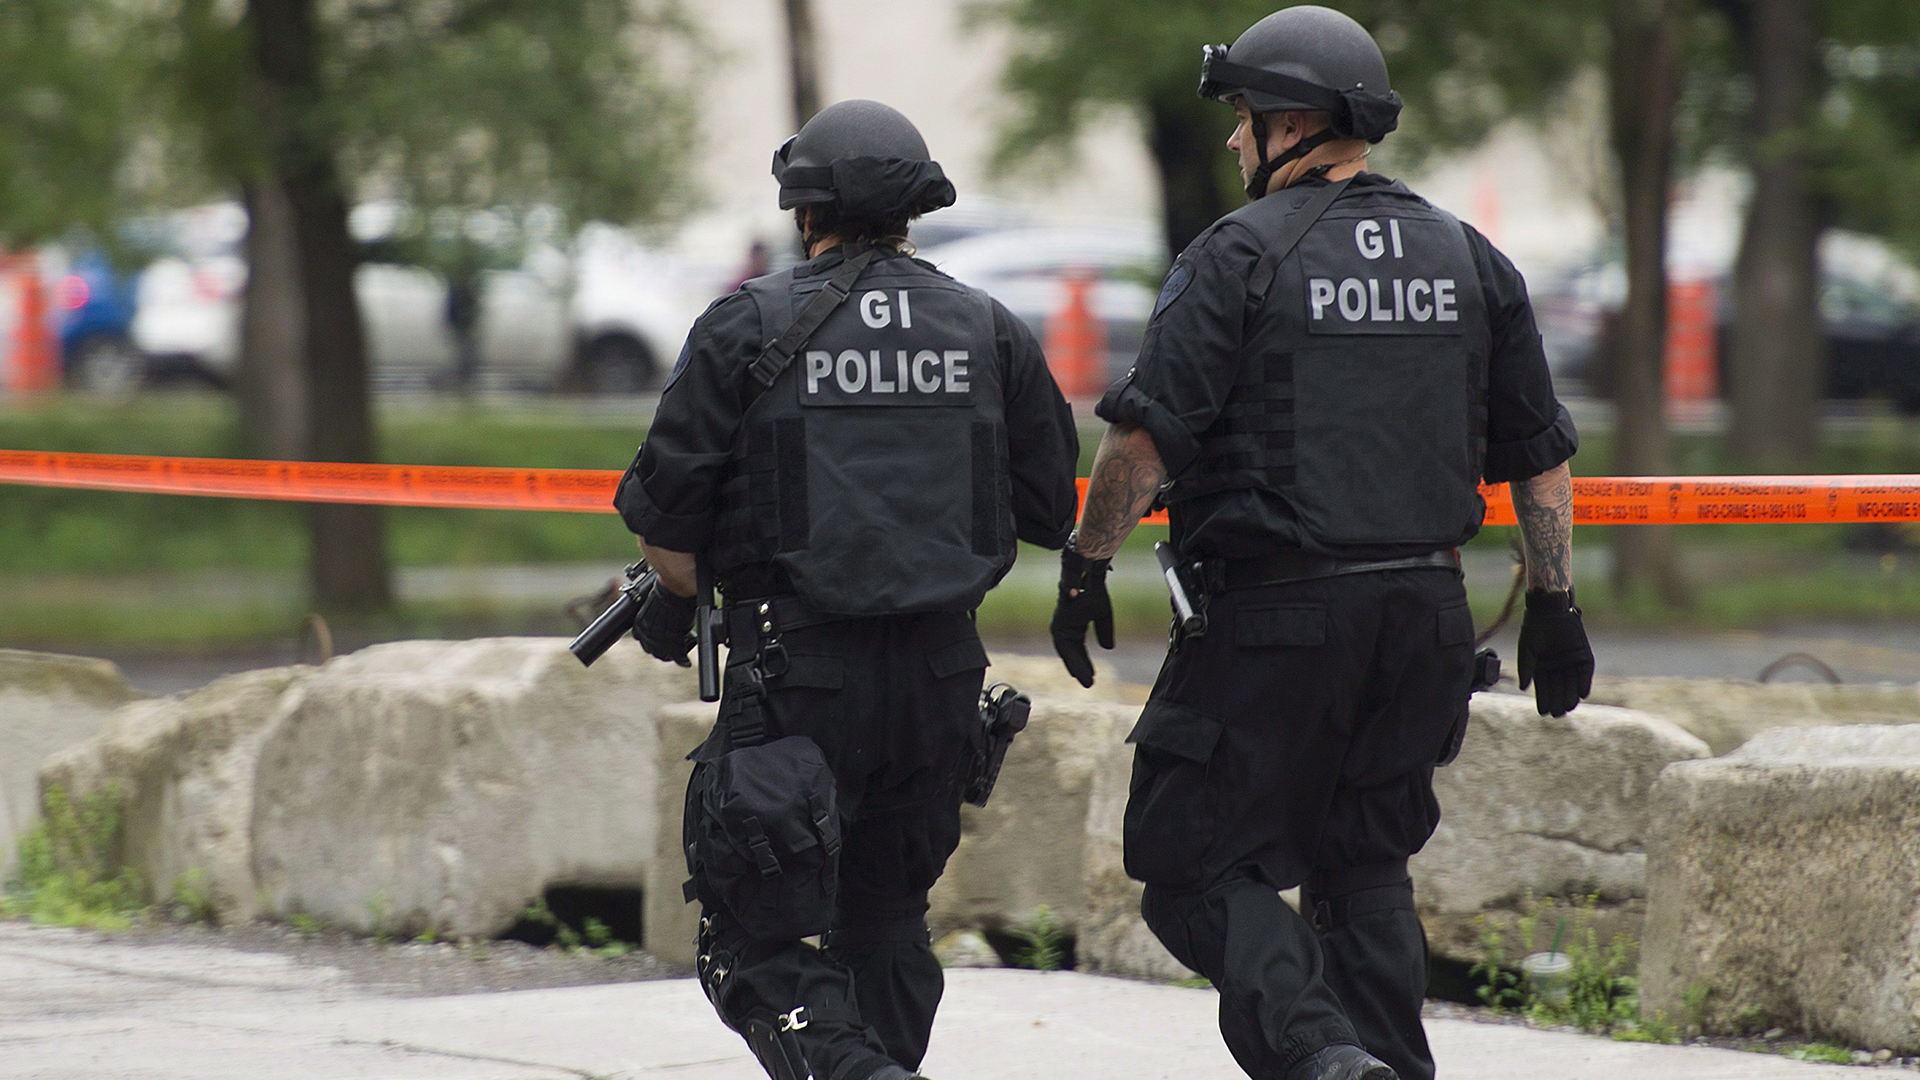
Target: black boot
1342	1062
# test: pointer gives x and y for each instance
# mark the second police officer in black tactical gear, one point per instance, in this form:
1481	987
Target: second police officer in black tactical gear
1327	375
852	447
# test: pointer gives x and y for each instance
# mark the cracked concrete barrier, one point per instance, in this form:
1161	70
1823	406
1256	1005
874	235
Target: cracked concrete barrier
1728	712
1784	885
48	702
1544	806
410	785
184	767
444	785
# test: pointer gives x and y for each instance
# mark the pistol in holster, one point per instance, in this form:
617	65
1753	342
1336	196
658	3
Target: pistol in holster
1003	714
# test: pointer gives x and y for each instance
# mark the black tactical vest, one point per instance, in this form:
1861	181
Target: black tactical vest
873	474
1361	395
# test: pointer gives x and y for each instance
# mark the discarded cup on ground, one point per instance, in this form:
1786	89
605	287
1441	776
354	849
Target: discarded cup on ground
1549	976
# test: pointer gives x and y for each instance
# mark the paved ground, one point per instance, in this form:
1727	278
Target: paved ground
74	1006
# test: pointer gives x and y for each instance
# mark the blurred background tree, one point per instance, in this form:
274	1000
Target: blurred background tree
1832	91
65	100
453	110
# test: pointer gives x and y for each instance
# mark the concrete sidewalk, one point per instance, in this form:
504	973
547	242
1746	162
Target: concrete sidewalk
73	1006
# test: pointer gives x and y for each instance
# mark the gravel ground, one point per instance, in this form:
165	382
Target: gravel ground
415	968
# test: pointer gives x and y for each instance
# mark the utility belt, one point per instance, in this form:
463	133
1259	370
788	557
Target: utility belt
1194	582
1227	575
763	620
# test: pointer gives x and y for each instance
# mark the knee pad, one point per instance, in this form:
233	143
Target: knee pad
1169	915
718	946
1334	897
775	1045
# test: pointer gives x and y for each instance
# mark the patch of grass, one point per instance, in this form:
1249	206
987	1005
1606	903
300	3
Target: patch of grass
600	940
1655	1030
1043	943
1827	1052
1600	997
1500	986
304	924
1198	982
70	871
379	908
1694	998
192	901
565	937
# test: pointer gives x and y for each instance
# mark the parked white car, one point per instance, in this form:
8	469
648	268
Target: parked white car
607	318
1028	269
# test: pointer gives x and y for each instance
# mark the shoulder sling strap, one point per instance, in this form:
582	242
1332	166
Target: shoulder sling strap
1289	236
778	354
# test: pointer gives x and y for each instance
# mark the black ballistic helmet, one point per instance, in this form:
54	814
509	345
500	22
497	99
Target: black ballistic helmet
866	159
1308	58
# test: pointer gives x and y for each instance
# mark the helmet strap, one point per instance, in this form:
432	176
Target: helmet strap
1257	184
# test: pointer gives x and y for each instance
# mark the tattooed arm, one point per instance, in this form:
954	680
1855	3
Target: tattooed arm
1544	506
1126	472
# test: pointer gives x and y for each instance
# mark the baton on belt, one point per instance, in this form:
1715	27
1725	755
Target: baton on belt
1191	622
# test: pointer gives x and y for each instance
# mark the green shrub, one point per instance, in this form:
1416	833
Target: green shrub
70	871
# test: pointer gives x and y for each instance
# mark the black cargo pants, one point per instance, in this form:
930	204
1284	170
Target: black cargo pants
893	703
1294	744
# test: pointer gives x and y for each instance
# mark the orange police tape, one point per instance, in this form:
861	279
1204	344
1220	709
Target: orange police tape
1651	500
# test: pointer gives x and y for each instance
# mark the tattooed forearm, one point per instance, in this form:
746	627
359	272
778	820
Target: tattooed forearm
1544	506
1126	472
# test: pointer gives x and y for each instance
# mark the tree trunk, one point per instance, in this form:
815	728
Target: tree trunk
347	568
1645	75
272	382
803	61
1778	361
1180	134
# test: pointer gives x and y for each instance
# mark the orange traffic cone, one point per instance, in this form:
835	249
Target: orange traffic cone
34	367
1692	355
1076	345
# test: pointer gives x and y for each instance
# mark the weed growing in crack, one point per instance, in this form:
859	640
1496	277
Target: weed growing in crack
192	899
1043	944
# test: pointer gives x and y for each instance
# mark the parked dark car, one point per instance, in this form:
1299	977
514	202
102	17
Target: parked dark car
1872	332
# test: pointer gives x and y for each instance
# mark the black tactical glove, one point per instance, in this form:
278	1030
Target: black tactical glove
1072	613
1554	652
664	624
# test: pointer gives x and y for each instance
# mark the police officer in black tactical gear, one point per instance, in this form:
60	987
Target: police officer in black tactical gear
1326	377
852	447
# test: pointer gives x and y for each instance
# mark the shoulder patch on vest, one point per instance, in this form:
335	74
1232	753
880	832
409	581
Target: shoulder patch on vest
1178	279
679	366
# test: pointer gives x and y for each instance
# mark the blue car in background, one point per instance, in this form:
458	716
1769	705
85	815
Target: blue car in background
97	303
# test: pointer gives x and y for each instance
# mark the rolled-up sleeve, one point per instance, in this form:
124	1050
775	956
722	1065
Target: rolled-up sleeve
668	494
1528	430
1191	354
1043	444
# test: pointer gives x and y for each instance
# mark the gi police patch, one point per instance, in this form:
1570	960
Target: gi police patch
1178	279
